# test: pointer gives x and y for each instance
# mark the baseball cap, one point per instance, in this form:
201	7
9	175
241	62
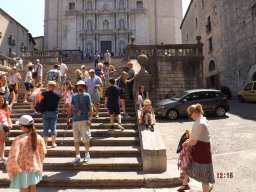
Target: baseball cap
82	66
25	120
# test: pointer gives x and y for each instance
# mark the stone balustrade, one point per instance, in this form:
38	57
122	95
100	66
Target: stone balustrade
68	56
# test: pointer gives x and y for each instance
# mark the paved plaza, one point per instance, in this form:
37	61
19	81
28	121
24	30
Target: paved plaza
233	147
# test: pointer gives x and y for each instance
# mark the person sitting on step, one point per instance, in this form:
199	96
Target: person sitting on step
148	115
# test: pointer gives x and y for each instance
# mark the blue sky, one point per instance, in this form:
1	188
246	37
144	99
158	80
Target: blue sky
30	13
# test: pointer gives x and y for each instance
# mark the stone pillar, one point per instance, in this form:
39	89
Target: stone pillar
143	77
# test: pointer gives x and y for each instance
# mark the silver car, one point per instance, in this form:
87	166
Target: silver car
213	102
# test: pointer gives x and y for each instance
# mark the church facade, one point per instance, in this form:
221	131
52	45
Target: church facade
100	25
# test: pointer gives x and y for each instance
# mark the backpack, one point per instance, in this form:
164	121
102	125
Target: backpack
183	138
53	75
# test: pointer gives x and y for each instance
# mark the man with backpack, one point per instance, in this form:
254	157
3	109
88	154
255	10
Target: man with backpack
54	75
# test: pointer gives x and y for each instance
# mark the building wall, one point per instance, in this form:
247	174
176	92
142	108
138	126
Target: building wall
68	27
233	34
13	36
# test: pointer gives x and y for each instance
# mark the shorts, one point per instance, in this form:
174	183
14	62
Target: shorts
28	86
14	87
122	94
80	129
95	96
114	109
62	80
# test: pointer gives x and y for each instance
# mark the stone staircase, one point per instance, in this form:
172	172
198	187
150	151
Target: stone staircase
115	155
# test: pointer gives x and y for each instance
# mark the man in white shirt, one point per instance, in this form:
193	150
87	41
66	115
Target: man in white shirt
63	73
38	72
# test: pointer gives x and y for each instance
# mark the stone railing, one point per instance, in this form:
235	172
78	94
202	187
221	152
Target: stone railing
6	63
68	56
172	50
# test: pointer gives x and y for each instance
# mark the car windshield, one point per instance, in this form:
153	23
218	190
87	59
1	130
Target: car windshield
179	96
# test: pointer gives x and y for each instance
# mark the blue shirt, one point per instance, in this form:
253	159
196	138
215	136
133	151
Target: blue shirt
81	102
91	84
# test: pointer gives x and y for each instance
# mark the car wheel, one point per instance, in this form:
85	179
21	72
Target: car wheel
172	114
240	99
220	111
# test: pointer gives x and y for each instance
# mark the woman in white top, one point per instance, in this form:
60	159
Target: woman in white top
28	82
14	80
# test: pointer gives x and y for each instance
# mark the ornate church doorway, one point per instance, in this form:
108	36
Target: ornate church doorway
105	45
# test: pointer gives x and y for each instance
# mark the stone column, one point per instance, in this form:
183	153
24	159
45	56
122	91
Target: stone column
143	77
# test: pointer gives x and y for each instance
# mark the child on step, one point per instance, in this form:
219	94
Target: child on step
68	93
148	115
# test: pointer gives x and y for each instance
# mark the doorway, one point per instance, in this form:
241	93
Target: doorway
105	45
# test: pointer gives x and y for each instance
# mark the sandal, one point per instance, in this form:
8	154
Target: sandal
183	188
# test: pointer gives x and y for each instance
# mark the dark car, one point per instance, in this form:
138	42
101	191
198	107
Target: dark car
225	90
213	102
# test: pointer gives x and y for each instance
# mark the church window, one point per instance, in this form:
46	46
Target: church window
72	6
89	5
210	44
211	66
196	22
139	4
121	4
209	25
105	25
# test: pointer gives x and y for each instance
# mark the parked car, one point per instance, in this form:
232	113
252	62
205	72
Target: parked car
248	93
213	102
225	91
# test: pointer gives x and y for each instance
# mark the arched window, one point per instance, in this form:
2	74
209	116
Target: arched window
89	5
121	24
121	4
89	25
105	25
212	66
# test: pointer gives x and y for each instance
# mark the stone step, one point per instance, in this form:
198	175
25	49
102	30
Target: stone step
96	126
86	179
94	133
29	110
95	120
95	151
27	105
95	141
95	164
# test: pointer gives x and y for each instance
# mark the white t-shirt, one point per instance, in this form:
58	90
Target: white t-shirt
13	79
63	67
39	69
27	79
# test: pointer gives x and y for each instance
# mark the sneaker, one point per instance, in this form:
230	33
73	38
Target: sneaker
87	157
25	101
146	125
4	159
76	161
126	115
97	116
111	128
151	128
120	126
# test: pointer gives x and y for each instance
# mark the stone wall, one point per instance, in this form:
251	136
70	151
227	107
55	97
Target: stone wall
233	33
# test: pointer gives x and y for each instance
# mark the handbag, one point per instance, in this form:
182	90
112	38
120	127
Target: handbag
39	107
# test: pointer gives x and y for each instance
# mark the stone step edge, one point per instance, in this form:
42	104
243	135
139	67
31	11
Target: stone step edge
102	179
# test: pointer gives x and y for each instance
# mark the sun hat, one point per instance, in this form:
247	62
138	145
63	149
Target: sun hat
25	120
83	66
81	82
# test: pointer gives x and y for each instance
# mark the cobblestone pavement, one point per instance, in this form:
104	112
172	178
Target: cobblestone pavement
233	146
